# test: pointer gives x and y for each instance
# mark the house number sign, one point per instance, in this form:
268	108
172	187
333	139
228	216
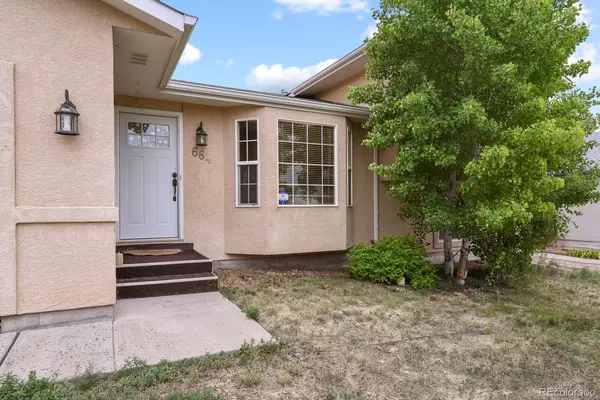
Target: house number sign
196	152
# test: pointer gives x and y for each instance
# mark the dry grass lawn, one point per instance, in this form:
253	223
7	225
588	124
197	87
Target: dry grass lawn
344	339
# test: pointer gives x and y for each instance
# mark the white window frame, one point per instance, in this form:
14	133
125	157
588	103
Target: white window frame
241	163
335	163
349	166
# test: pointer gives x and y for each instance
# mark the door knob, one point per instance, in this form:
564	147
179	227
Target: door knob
174	186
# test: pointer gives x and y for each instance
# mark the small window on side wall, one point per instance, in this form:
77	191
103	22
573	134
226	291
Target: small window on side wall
247	163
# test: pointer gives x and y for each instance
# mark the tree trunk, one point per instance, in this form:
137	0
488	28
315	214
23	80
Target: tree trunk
463	262
448	256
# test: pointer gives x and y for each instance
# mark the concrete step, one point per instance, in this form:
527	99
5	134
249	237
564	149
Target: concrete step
166	285
148	270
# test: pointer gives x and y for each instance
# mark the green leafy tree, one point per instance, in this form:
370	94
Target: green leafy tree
479	97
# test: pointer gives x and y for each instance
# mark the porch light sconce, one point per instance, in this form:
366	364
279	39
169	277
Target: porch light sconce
201	136
67	118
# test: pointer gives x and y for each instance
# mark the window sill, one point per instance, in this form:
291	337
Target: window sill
310	206
247	206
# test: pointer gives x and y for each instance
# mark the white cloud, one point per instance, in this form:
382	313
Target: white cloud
360	17
324	6
276	77
588	52
586	16
370	31
277	14
190	55
228	63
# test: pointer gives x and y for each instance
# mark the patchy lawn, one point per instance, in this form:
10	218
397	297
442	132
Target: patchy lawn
343	339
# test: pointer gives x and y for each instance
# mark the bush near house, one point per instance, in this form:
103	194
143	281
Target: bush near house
390	260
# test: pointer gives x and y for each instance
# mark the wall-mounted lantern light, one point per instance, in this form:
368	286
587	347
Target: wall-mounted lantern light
67	118
201	136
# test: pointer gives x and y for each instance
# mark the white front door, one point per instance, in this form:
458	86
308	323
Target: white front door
147	167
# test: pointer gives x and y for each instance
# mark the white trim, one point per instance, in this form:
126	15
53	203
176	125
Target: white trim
240	96
335	162
159	282
349	58
349	167
180	206
239	163
156	14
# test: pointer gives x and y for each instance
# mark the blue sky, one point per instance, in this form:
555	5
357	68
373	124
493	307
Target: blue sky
276	44
270	44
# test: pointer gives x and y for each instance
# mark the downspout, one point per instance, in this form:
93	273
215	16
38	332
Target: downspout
375	198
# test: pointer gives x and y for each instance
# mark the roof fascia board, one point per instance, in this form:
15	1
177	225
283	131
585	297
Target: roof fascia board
190	23
201	91
154	13
332	69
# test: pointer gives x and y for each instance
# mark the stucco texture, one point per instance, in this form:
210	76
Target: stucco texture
60	202
338	93
50	255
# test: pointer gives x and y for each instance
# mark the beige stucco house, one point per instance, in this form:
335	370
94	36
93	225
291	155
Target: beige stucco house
281	175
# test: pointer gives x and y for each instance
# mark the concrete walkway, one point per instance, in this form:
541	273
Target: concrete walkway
153	329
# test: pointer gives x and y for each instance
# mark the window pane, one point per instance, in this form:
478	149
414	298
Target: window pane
315	154
134	140
134	127
253	173
315	195
284	195
148	141
328	134
252	130
300	132
314	134
285	152
148	129
350	187
328	157
243	194
285	173
244	175
299	177
162	130
299	153
285	131
242	130
253	194
315	175
163	142
243	151
328	176
300	195
328	197
252	151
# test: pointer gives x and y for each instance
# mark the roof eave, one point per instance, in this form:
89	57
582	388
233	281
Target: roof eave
198	90
351	57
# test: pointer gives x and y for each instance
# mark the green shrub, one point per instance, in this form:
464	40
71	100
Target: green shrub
253	313
390	260
13	388
593	254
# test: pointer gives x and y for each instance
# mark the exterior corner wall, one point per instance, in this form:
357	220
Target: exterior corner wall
57	193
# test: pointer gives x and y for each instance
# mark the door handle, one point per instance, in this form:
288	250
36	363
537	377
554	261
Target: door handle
174	186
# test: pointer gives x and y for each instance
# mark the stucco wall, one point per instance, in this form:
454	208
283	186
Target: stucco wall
338	93
585	229
218	228
57	238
